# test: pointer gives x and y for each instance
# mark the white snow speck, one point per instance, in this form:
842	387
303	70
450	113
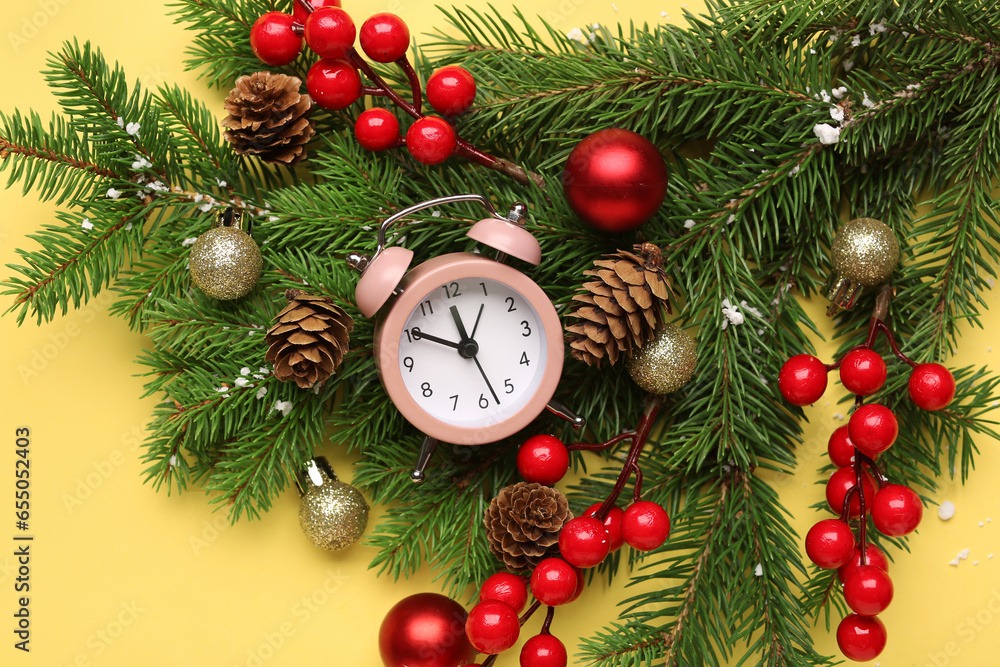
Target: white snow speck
173	461
245	370
839	92
689	223
221	182
263	371
963	554
261	393
222	390
975	562
132	128
241	382
575	34
284	407
946	510
273	218
827	134
837	114
856	42
86	224
990	557
189	241
120	121
866	102
141	163
795	170
759	570
981	524
731	314
876	27
954	561
114	194
848	65
128	227
838	416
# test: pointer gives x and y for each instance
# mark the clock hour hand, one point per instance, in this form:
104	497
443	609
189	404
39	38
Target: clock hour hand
420	335
458	322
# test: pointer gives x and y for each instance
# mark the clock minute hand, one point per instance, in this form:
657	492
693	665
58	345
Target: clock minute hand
472	348
488	385
420	335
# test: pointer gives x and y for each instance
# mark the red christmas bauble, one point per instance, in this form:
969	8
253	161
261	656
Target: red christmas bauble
615	180
425	630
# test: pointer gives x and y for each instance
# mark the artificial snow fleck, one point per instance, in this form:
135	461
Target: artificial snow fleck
839	92
990	557
596	26
198	197
946	510
730	219
120	121
157	186
856	42
963	554
837	114
221	182
663	14
141	163
128	226
86	224
848	65
795	170
189	241
813	51
913	86
876	27
241	382
575	34
614	6
132	128
981	524
689	223
975	562
838	416
263	371
206	207
261	393
173	461
245	370
866	102
222	390
592	37
284	407
436	214
823	95
759	570
954	561
827	134
250	333
731	315
273	218
114	194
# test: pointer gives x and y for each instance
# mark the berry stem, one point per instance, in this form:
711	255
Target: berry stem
859	471
411	76
306	5
872	466
877	325
526	615
549	615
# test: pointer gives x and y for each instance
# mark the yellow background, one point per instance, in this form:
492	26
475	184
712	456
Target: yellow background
125	576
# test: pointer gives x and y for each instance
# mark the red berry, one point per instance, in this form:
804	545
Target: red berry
645	525
543	459
613	524
505	587
330	32
840	448
873	428
451	90
301	15
333	84
862	372
896	510
838	486
868	590
384	37
377	129
430	140
492	627
543	651
584	542
932	386
802	379
554	582
580	581
861	638
873	556
273	41
829	543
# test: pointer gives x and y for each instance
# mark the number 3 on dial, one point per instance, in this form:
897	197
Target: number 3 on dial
471	351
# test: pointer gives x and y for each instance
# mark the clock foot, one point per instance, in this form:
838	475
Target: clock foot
560	410
423	458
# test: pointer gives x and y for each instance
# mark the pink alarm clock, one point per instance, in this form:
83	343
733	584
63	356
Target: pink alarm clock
469	349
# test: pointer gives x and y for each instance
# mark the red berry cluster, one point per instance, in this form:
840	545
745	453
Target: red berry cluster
334	81
493	625
858	489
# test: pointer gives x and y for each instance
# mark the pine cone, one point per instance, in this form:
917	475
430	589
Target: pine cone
623	308
309	340
523	523
269	118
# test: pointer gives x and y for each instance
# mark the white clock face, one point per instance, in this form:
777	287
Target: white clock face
473	352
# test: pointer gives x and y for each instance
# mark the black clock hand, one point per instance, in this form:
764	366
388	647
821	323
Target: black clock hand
420	335
479	315
483	373
458	322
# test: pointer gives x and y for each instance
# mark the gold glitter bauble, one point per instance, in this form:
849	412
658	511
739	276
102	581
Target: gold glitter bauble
666	363
333	514
225	262
865	251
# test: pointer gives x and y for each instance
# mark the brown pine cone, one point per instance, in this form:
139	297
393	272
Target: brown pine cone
621	310
309	340
523	523
269	118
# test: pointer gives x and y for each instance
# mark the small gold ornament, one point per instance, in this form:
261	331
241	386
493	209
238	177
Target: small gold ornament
225	262
666	363
333	514
864	253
